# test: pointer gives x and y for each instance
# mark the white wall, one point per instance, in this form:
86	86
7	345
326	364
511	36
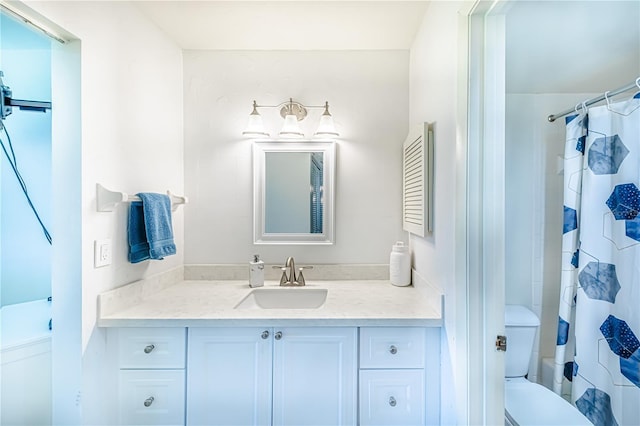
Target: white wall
131	111
433	94
368	93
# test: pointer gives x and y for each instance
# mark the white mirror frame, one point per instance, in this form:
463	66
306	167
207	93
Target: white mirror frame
260	149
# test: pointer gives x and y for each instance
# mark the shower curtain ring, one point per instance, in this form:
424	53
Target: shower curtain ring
638	82
606	98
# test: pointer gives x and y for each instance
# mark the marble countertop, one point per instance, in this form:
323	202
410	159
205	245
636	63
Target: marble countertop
211	303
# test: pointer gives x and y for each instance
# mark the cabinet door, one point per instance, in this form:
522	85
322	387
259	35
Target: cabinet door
392	397
151	397
229	376
315	376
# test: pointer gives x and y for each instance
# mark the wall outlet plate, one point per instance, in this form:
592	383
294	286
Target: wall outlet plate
102	253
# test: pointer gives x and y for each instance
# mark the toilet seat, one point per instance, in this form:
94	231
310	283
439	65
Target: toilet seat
528	403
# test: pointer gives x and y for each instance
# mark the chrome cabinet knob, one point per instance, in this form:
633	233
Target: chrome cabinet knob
149	401
392	401
393	350
149	348
265	334
278	335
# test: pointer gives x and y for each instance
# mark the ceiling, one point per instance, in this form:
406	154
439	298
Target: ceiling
552	46
287	25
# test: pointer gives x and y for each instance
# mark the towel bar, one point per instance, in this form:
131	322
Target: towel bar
106	200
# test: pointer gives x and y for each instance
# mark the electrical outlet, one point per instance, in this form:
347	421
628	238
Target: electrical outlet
102	253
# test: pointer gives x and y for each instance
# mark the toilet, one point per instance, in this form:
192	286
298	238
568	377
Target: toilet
528	403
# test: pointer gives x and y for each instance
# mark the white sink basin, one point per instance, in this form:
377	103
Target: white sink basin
284	298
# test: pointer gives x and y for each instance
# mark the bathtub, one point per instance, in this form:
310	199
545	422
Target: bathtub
25	364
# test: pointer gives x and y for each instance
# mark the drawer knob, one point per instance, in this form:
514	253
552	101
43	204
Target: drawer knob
149	401
278	335
265	334
393	350
149	348
392	401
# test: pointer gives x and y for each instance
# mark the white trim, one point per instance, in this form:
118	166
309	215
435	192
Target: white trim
494	217
460	317
66	261
485	212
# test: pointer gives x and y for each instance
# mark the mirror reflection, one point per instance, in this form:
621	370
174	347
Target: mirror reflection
293	192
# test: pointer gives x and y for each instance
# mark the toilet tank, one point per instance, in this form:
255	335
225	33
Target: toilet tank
521	325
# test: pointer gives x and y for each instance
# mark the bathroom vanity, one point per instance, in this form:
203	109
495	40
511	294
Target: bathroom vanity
189	353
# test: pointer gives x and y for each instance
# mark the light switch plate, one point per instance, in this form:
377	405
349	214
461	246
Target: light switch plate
102	253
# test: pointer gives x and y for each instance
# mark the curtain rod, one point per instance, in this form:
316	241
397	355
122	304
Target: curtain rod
597	99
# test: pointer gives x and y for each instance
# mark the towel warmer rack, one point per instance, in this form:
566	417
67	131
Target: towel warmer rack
107	200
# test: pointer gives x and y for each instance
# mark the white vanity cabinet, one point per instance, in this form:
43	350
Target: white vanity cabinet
279	376
392	376
151	375
208	376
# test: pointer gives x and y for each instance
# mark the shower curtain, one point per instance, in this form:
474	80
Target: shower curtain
598	347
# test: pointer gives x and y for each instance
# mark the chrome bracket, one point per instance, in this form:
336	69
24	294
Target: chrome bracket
293	108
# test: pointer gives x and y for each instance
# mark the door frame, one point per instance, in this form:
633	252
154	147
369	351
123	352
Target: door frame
485	209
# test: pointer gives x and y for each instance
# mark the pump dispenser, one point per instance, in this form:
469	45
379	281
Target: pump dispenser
256	272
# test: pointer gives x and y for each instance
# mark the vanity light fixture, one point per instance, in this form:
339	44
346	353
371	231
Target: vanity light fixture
292	112
255	127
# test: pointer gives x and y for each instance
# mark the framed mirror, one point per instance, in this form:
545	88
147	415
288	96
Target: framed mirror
293	192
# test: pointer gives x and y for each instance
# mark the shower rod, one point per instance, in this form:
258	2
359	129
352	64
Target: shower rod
595	100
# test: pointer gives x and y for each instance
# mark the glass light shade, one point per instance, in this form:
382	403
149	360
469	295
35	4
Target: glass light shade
255	128
326	126
290	128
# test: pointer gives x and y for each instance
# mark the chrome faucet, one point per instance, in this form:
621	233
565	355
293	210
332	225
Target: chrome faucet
293	278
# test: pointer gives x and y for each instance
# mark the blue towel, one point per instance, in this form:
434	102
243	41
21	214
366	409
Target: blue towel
150	232
138	244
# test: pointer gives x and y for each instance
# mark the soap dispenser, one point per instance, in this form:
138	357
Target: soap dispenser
256	272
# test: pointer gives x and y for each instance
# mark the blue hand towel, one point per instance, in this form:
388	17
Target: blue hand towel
138	245
150	231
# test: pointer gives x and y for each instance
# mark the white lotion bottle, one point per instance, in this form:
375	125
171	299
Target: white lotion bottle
256	272
400	265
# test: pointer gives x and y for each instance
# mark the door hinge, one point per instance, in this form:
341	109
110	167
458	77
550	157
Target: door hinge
501	343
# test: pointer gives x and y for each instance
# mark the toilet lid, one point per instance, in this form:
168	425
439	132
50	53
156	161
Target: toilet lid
532	404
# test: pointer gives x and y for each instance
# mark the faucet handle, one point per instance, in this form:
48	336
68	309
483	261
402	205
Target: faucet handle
284	279
300	277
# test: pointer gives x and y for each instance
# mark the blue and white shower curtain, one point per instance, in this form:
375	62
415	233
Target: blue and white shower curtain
598	345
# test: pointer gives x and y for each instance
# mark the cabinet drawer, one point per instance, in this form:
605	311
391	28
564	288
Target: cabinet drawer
392	397
151	347
151	397
392	347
